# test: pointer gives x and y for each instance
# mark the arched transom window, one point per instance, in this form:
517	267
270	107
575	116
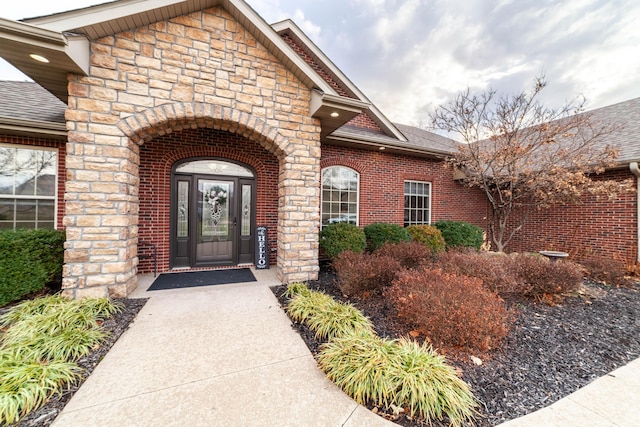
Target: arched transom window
340	194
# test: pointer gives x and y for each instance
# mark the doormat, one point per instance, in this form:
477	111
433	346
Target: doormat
201	278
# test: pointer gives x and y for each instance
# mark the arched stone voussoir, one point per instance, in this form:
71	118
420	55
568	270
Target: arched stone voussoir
153	122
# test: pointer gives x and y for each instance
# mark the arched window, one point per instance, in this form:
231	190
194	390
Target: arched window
340	195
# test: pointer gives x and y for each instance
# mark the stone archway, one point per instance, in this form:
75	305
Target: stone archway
298	183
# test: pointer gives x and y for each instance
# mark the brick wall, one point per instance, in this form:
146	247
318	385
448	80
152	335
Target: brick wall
382	179
158	156
598	226
43	142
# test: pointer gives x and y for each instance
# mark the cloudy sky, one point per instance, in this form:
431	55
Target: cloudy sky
409	56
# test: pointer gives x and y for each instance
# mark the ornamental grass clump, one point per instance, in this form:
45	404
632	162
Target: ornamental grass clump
25	385
42	339
327	317
387	373
398	374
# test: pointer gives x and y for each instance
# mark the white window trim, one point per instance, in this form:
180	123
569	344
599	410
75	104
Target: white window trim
429	195
357	192
34	197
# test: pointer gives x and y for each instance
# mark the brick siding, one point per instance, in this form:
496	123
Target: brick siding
598	226
382	177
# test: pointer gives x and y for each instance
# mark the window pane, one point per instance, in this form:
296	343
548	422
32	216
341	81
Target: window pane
25	210
46	210
46	173
182	217
339	195
31	172
6	210
417	203
215	167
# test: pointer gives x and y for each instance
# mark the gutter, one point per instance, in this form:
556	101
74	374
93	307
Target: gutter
633	166
39	128
375	142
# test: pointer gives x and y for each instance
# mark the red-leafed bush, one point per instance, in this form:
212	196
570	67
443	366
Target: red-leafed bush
605	269
359	274
449	309
540	277
408	254
495	270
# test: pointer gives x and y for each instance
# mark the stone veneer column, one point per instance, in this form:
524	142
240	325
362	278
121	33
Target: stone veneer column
101	210
299	215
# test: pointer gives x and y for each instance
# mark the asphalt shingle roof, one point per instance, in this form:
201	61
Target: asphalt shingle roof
626	116
28	100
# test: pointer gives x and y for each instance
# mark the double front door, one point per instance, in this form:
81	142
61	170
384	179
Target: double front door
213	220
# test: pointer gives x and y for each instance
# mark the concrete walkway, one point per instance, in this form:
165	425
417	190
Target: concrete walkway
221	355
226	355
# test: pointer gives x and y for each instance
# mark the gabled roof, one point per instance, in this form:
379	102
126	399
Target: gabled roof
64	39
290	29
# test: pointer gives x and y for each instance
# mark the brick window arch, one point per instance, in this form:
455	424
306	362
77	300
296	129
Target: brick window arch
340	195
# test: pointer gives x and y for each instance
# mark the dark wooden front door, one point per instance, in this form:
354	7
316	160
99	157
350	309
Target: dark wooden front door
212	220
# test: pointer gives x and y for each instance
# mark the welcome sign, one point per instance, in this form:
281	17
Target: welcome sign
262	250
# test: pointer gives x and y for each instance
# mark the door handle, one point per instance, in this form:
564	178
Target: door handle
235	222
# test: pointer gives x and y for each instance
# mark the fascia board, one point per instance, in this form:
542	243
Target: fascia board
384	142
32	127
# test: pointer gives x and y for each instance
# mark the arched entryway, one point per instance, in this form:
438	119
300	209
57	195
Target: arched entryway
212	213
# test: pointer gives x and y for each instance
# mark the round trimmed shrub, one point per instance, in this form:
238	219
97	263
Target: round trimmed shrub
460	234
429	236
341	236
379	233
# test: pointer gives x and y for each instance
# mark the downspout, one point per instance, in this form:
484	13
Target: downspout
636	171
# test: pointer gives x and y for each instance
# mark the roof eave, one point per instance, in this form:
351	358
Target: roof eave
289	27
125	15
66	54
33	128
383	144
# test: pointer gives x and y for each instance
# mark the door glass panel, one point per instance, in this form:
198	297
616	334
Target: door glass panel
182	226
214	167
215	221
246	210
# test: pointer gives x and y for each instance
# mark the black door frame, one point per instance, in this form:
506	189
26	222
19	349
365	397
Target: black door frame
249	256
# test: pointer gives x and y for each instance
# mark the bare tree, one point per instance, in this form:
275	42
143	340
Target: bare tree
525	156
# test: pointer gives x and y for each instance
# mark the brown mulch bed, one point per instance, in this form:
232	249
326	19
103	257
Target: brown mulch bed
115	326
550	352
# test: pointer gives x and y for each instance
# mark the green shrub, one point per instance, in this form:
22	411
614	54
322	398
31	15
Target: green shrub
539	276
449	309
429	236
460	234
408	254
379	233
359	274
30	259
339	237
